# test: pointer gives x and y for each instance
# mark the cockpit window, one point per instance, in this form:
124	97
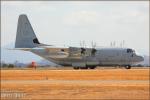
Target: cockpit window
62	50
129	51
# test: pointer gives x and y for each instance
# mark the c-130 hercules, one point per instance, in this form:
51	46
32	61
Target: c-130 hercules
79	58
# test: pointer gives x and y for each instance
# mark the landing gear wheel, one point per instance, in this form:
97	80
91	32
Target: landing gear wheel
128	67
92	67
84	67
76	67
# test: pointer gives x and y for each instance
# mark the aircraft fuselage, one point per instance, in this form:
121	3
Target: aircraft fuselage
102	56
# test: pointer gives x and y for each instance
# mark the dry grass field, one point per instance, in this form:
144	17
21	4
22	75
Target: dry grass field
101	84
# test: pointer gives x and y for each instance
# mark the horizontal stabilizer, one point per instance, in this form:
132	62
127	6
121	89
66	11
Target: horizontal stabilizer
25	49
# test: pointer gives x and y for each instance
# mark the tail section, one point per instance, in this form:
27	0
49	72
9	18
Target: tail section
26	37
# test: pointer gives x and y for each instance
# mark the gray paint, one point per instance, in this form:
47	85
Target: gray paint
25	34
106	56
73	56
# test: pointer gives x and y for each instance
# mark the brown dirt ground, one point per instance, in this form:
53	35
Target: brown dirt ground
75	84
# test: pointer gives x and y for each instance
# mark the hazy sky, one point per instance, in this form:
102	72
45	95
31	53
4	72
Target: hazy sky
69	22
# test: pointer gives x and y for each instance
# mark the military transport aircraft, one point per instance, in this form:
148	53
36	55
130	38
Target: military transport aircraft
78	57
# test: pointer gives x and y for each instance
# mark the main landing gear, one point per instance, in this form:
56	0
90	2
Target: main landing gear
90	67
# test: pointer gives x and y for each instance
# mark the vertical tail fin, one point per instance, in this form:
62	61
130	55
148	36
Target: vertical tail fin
26	37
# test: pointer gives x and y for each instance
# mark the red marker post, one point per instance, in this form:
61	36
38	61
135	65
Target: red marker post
33	64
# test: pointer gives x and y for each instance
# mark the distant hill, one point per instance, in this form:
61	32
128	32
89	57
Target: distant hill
22	58
11	56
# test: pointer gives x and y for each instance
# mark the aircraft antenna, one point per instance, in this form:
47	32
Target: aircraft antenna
114	43
80	44
93	44
123	43
84	44
111	44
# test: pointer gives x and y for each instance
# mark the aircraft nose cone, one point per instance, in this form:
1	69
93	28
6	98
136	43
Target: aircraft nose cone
140	58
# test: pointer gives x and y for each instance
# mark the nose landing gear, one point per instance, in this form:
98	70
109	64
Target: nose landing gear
128	66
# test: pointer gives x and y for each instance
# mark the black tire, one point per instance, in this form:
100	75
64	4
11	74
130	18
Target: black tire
128	67
84	67
76	67
92	67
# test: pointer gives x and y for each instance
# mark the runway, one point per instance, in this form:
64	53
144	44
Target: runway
76	84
